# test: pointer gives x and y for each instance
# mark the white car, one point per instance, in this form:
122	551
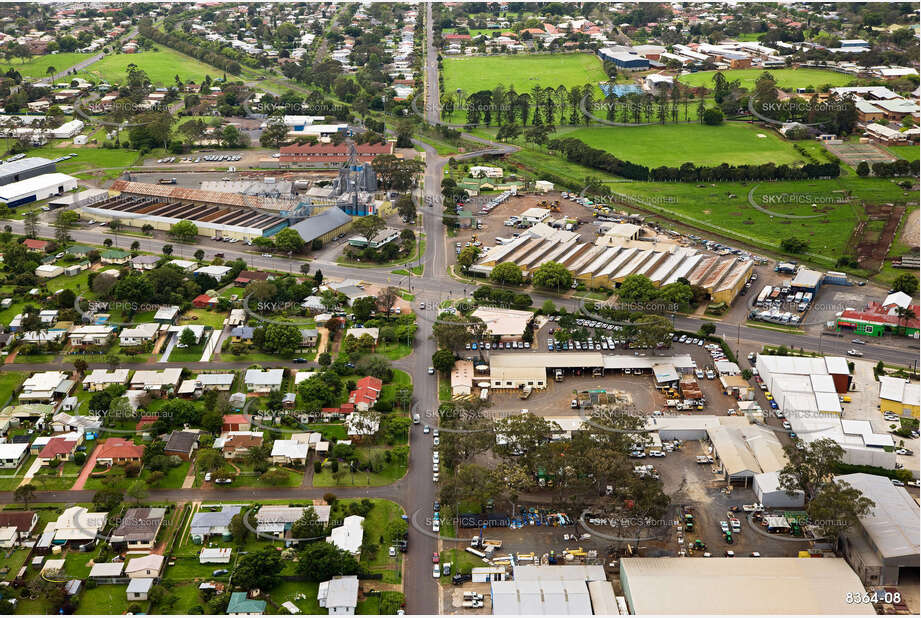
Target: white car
435	467
436	570
436	441
436	526
435	477
435	457
431	371
854	353
266	255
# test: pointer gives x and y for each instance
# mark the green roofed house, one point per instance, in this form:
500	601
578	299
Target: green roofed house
81	250
115	256
241	605
474	185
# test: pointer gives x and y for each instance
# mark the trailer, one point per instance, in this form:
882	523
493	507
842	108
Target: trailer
764	294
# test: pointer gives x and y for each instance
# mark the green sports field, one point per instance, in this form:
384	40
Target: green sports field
161	67
523	72
37	67
909	153
674	144
786	78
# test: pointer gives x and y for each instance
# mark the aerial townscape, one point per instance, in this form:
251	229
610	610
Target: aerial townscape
460	308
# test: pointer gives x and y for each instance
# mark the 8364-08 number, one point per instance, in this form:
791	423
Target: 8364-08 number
873	597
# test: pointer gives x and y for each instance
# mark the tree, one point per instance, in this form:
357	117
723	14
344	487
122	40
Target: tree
396	530
137	490
552	276
906	283
199	254
289	241
64	222
238	529
652	329
209	460
450	331
274	134
443	360
809	467
838	507
187	337
636	289
713	116
793	245
25	494
321	561
258	457
283	339
507	273
406	208
259	569
863	169
363	308
107	499
30	220
308	526
167	249
183	231
369	226
386	298
707	328
467	257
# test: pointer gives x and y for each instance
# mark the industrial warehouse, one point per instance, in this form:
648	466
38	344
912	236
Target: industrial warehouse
224	215
617	254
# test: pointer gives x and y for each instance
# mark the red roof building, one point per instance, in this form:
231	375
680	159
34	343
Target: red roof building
246	276
119	451
331	153
235	422
203	301
58	448
146	421
367	390
456	37
35	245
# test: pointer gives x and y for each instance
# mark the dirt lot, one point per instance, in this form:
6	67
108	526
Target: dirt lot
492	223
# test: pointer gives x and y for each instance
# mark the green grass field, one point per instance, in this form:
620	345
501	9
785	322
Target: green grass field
786	78
522	72
87	158
733	143
909	153
37	67
161	67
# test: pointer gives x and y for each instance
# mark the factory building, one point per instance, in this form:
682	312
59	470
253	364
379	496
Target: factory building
30	167
36	188
221	215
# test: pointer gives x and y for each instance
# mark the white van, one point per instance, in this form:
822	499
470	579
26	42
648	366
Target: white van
416	419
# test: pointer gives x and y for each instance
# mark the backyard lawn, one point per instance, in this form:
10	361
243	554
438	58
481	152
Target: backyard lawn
785	78
108	599
8	383
388	474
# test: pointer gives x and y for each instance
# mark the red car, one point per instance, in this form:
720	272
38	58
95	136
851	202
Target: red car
435	558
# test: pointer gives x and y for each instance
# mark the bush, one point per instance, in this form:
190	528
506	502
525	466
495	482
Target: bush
330	498
317	466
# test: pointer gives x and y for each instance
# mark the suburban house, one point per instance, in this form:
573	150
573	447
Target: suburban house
359	425
118	451
22	522
309	337
289	452
206	382
138	335
259	381
45	386
241	605
90	335
359	332
242	334
349	536
115	256
62	448
367	391
235	444
138	529
75	525
107	572
12	455
182	444
156	381
206	524
166	315
87	426
277	520
150	565
339	595
99	379
247	276
144	262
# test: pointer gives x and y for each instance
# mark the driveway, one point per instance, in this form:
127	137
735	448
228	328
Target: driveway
86	471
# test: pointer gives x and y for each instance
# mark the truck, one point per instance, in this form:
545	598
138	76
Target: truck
558	376
167	181
479	541
525	392
775	293
472	604
672	403
764	294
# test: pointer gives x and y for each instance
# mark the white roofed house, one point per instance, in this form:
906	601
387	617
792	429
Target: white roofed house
45	386
259	381
165	380
100	379
349	536
90	335
150	565
339	595
138	335
75	525
290	452
278	520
